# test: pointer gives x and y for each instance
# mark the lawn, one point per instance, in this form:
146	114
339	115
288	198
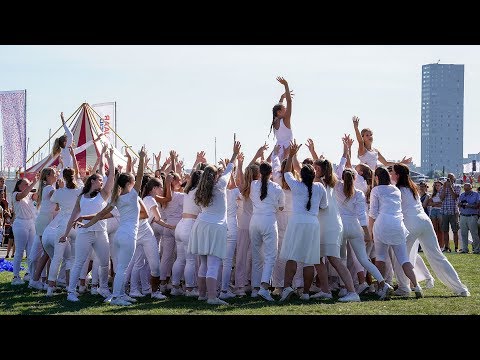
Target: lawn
437	301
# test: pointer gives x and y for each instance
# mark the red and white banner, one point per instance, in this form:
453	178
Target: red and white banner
107	121
14	123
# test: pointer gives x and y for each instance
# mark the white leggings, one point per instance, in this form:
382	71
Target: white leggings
228	261
24	233
209	265
168	248
124	244
185	263
86	240
62	252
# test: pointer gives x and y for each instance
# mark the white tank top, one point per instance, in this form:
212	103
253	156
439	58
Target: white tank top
174	209
129	208
89	206
283	135
370	158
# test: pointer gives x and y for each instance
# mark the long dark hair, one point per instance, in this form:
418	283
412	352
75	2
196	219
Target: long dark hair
204	193
329	177
69	177
275	109
308	175
404	179
348	177
193	182
17	184
265	171
88	185
152	183
120	182
383	176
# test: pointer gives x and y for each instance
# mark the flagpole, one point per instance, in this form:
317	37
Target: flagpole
115	112
25	157
215	150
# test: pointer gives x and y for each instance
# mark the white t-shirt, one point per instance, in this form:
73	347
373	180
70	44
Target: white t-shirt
189	206
274	200
24	208
46	206
66	199
410	205
150	203
174	209
232	205
300	196
129	208
355	206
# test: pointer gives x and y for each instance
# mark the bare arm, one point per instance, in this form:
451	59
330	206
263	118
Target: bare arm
293	151
138	179
311	147
239	179
259	153
73	217
361	146
99	216
382	159
67	131
107	188
75	162
173	160
288	96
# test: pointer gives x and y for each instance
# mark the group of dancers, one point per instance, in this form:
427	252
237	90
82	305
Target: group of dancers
272	228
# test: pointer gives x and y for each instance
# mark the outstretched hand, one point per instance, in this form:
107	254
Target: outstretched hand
294	147
310	145
282	81
406	161
356	121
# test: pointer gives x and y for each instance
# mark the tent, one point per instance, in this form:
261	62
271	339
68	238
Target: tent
85	127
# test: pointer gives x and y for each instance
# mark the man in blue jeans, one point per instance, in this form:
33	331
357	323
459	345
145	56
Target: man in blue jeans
469	203
449	196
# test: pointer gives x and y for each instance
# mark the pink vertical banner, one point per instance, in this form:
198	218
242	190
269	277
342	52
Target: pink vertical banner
14	124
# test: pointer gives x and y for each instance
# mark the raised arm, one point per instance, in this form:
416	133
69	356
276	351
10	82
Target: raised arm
239	174
75	162
259	153
139	177
129	161
293	151
107	188
349	142
173	160
288	96
67	131
200	158
311	147
361	145
19	196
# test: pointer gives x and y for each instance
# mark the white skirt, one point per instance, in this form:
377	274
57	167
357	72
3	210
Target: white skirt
301	242
208	239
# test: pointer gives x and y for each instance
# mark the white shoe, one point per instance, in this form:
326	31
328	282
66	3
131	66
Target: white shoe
72	297
342	292
240	292
286	293
177	292
38	285
82	289
430	283
17	280
157	295
45	286
305	297
227	295
136	294
265	294
50	291
191	293
61	285
216	301
105	293
465	293
362	288
314	288
350	297
26	277
254	293
119	302
385	292
321	295
128	298
94	290
418	291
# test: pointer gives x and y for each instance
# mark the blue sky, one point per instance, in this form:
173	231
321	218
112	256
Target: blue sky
182	97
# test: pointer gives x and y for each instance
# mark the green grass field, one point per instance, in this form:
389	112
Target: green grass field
16	300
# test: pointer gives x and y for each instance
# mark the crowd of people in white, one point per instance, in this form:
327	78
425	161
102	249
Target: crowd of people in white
272	228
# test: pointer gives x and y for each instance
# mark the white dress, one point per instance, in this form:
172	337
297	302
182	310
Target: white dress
370	158
302	237
283	135
331	228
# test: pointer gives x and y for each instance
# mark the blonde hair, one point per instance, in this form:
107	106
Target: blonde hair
43	182
204	193
252	172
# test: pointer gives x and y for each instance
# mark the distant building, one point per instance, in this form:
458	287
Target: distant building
442	118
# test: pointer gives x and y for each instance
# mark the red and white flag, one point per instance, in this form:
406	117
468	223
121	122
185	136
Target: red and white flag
14	123
106	111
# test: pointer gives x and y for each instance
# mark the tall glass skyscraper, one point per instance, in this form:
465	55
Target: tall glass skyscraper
442	118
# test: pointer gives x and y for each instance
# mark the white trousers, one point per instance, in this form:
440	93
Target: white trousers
24	233
264	236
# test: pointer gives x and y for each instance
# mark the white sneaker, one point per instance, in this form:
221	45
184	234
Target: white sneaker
177	292
321	295
72	297
400	292
226	295
105	293
50	291
191	293
45	286
385	292
17	280
350	297
157	295
265	294
418	291
465	293
61	285
305	297
26	277
119	302
38	285
314	288
128	298
82	289
94	290
136	294
216	301
342	292
240	292
254	293
362	288
286	293
163	288
430	283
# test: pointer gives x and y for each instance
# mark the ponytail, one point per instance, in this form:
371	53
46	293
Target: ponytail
308	175
348	189
265	171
